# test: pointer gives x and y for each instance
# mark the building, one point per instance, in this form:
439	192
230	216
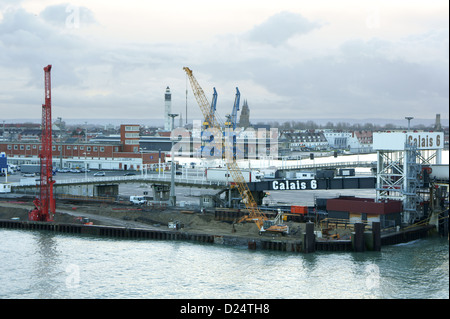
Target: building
129	137
357	210
244	118
167	110
361	142
437	124
337	139
105	153
305	140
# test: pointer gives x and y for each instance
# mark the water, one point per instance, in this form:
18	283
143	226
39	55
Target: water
50	265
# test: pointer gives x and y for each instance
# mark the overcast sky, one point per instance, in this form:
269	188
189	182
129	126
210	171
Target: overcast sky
296	60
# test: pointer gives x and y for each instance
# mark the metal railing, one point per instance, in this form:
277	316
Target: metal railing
149	178
330	165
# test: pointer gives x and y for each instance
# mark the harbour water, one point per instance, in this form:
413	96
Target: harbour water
48	265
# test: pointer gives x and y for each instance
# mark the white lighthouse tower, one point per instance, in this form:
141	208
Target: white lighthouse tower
167	110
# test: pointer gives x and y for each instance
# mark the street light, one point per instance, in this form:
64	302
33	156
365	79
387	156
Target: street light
85	166
172	197
142	160
409	118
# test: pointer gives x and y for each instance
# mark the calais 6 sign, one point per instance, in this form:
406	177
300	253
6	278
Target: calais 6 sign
294	184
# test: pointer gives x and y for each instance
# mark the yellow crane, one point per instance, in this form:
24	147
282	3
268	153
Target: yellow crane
254	213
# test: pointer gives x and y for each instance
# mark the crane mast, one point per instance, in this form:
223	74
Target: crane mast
232	118
45	204
213	103
205	139
254	213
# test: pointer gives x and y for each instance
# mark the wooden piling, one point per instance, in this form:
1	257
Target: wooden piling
309	238
358	238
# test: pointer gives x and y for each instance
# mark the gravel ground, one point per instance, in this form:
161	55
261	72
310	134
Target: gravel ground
139	217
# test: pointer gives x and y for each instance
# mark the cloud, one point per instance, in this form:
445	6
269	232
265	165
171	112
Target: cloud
283	68
10	3
359	79
280	27
68	16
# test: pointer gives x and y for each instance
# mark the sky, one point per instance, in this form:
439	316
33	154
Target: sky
294	60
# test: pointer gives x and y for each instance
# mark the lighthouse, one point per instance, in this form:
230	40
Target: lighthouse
167	110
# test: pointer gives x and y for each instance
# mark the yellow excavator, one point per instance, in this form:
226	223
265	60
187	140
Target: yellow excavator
264	224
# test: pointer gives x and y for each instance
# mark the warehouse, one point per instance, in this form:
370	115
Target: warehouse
355	209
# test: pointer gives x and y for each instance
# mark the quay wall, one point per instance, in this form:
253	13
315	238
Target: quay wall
307	244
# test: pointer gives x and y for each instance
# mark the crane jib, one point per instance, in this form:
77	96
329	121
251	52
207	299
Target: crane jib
247	198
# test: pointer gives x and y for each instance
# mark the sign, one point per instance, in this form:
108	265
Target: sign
397	141
426	140
3	161
293	184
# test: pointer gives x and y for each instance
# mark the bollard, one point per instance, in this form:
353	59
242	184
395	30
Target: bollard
443	224
376	233
310	240
358	238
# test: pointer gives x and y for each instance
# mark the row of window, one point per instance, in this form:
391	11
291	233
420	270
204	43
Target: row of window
131	128
75	147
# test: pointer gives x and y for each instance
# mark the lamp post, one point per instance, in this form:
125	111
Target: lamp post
61	143
172	197
142	161
85	166
409	118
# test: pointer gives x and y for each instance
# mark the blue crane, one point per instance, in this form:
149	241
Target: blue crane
231	123
206	139
232	118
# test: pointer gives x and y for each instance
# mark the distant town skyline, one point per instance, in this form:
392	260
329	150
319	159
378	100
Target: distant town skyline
296	60
159	122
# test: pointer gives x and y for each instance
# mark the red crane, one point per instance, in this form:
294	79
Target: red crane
45	204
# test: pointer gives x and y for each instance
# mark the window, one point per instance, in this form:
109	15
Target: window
102	149
88	148
21	147
28	147
34	146
131	128
68	147
95	148
16	147
9	147
53	148
81	148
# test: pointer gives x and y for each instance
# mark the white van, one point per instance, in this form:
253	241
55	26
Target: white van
138	200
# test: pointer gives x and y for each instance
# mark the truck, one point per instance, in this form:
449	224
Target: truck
346	172
269	172
28	169
223	175
305	175
138	200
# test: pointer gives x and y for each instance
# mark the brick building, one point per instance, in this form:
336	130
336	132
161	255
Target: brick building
123	154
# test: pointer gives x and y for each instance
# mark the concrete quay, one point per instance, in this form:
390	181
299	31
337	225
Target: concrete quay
360	241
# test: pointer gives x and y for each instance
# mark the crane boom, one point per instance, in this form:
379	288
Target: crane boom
213	103
255	214
235	108
45	204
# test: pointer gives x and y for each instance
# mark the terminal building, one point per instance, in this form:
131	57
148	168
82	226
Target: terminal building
109	153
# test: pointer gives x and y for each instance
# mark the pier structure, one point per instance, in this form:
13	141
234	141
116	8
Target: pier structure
193	177
404	166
